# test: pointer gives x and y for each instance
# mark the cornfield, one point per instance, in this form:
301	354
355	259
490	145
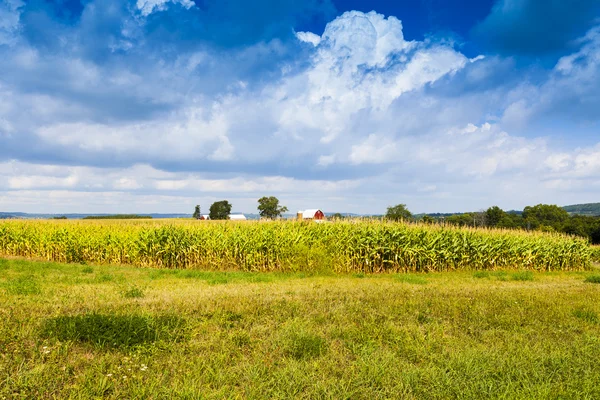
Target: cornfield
291	246
596	254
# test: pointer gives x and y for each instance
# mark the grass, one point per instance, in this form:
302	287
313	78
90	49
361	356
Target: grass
209	335
593	279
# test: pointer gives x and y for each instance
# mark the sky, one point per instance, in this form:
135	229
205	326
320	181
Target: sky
140	106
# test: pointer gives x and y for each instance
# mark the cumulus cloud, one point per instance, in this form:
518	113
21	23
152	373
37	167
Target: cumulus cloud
358	119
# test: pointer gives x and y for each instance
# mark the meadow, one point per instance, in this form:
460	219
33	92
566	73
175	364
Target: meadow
342	247
147	309
73	331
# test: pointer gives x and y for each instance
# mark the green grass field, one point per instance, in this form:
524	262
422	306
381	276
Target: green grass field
79	331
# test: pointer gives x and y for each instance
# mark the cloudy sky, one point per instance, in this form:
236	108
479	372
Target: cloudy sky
343	105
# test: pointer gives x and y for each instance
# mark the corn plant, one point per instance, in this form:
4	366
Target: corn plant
349	247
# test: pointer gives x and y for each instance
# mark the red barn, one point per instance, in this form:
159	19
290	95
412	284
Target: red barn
316	215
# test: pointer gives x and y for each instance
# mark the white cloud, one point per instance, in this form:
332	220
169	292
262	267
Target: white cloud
309	37
147	7
368	119
9	21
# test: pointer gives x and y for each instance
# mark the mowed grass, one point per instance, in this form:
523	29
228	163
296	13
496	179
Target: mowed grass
77	331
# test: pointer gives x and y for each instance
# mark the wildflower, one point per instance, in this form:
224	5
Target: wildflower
109	375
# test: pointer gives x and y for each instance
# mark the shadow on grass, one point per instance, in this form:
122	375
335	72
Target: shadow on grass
117	331
593	279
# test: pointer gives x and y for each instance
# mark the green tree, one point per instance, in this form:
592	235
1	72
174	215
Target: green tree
493	216
220	210
197	213
545	214
398	212
427	219
268	207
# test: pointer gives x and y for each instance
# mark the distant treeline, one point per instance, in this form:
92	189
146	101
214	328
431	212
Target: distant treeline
585	209
543	217
119	216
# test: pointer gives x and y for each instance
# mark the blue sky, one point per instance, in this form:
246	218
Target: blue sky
351	106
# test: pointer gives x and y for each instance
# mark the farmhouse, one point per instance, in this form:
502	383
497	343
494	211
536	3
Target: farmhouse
204	217
237	217
311	215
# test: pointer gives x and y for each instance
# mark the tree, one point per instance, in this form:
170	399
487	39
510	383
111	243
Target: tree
268	207
197	213
220	210
398	212
493	216
545	214
427	219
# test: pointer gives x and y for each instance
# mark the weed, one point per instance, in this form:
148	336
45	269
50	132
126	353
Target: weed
87	270
133	292
586	315
481	274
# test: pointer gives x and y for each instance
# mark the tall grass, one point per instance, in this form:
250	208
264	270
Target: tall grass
291	246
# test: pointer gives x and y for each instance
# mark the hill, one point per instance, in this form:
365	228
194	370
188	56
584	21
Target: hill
584	209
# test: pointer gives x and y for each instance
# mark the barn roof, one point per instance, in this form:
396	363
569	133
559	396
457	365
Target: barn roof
237	217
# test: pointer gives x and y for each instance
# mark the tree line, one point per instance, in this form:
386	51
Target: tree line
542	217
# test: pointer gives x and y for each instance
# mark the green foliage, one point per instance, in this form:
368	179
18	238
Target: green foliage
109	330
427	219
60	217
494	215
398	212
197	214
544	215
593	279
220	210
268	207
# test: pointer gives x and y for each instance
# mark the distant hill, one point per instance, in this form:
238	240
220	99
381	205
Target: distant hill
584	209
